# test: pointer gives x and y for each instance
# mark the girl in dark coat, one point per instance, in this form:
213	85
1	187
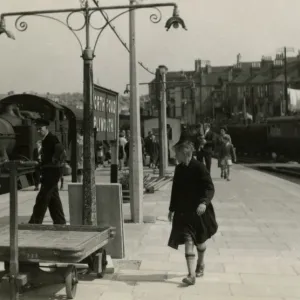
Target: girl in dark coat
191	211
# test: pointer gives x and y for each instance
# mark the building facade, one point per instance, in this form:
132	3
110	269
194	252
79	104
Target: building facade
255	90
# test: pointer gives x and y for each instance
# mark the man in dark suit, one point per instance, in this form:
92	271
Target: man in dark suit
209	145
48	196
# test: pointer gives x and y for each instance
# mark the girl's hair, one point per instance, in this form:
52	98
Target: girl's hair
186	147
224	128
226	138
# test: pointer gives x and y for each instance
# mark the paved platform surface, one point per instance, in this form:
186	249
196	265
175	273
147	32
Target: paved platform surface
254	256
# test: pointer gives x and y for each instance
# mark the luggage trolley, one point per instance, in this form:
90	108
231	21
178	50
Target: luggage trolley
23	247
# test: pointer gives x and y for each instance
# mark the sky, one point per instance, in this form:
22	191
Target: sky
47	58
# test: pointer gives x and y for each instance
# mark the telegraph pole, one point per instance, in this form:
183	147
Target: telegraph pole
284	51
135	158
245	109
285	84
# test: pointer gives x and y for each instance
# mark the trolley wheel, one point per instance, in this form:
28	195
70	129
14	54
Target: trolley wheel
103	263
71	281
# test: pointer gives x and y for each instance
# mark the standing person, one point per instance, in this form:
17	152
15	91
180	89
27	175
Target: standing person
223	132
79	158
121	155
191	211
226	156
220	142
61	169
148	142
170	136
127	147
154	152
200	151
122	143
37	157
208	147
128	135
48	196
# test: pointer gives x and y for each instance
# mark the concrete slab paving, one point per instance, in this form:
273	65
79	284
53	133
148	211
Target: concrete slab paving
254	256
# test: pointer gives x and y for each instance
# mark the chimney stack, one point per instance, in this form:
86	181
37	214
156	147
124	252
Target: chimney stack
208	68
197	65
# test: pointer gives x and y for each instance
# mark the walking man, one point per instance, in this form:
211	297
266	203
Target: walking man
48	196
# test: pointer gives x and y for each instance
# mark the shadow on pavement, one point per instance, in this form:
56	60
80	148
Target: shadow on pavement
162	278
21	219
47	292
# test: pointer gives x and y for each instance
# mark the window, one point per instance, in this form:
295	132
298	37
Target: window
266	90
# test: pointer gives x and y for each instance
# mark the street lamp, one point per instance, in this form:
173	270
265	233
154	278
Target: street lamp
88	54
163	71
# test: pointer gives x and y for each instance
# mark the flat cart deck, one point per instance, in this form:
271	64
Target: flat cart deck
24	246
55	244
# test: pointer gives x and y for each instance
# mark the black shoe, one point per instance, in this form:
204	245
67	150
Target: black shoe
189	280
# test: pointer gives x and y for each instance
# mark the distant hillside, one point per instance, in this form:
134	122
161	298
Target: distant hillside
76	99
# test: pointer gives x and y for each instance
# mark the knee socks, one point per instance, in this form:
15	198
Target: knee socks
201	251
190	261
190	256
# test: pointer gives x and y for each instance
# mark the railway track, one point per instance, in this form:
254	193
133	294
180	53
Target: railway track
286	169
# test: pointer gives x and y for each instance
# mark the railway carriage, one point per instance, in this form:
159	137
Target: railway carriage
284	137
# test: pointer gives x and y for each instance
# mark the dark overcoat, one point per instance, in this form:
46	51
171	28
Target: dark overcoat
192	185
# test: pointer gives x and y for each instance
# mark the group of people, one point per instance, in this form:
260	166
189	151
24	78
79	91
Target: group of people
150	149
191	210
206	144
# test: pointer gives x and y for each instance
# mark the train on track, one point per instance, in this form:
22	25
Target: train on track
18	137
278	135
277	138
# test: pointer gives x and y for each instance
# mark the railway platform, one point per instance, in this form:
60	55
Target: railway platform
254	256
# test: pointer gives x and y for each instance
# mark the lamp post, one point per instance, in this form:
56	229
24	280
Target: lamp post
88	54
135	158
162	121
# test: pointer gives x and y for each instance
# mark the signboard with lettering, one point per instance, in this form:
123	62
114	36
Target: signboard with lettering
105	113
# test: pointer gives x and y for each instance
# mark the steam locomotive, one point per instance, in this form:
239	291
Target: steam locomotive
18	137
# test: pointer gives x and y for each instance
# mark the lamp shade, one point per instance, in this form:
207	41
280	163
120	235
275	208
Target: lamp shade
163	69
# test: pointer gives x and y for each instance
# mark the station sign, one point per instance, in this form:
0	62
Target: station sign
105	113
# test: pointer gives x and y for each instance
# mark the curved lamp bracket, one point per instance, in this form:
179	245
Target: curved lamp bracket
154	18
22	25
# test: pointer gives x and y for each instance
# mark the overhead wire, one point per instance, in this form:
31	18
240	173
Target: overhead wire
119	37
